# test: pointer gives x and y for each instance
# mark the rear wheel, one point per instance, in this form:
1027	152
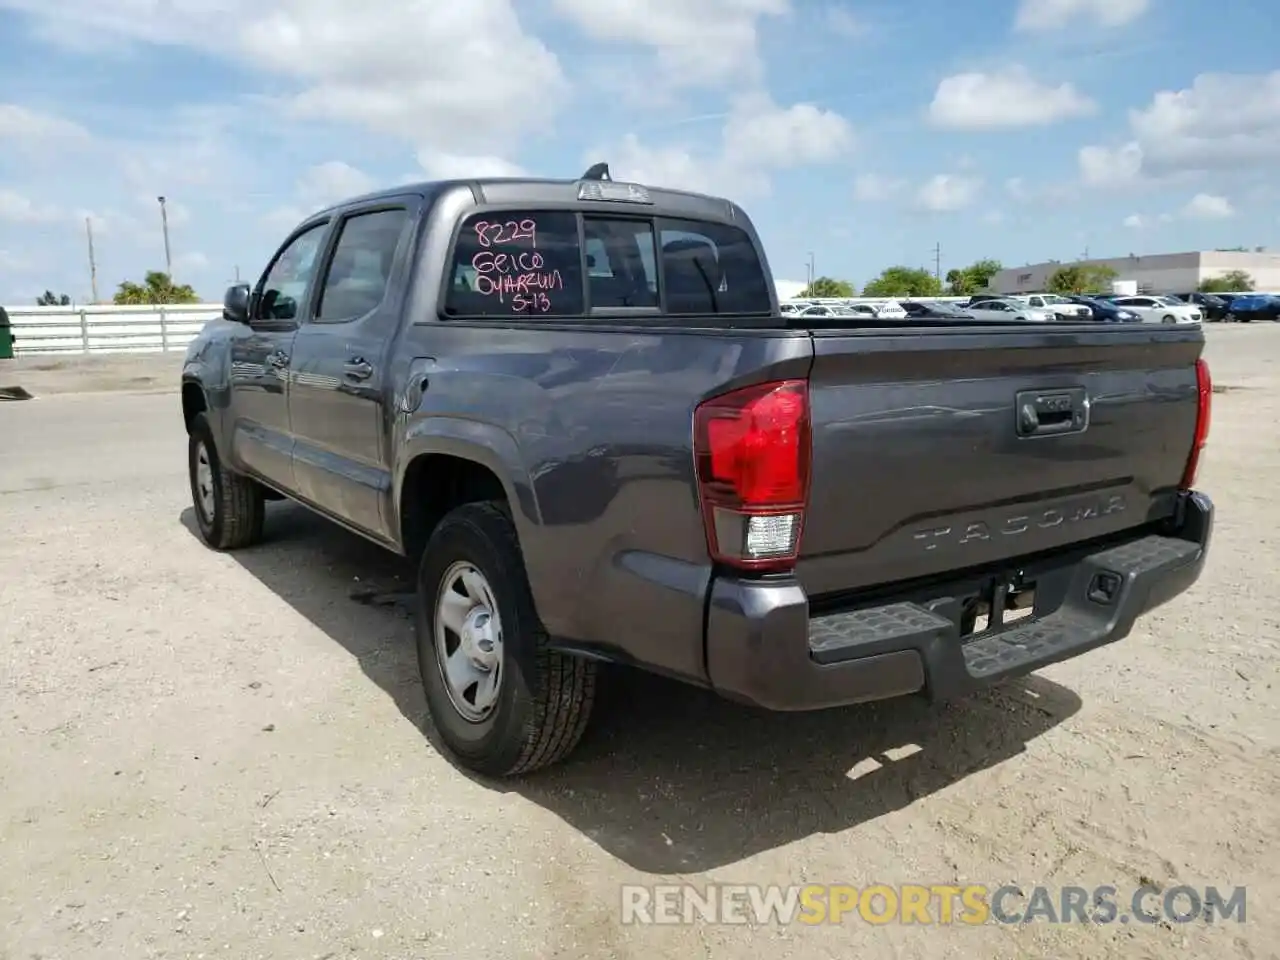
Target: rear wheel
501	700
229	507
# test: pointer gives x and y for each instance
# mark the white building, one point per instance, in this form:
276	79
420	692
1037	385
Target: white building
1159	273
789	288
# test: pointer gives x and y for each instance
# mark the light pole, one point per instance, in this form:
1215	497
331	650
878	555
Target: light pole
812	274
164	224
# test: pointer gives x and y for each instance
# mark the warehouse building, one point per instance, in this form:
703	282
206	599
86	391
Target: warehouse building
1159	273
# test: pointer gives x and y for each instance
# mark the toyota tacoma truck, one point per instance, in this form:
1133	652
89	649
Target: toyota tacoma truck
577	407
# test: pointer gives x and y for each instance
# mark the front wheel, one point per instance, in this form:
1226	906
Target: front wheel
502	701
1170	318
229	507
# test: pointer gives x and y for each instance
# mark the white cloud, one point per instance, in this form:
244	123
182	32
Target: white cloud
1043	15
465	73
760	133
947	192
17	208
1135	221
758	137
679	167
1010	98
1109	168
873	187
1017	189
439	165
18	123
332	182
1205	206
1220	122
710	42
320	186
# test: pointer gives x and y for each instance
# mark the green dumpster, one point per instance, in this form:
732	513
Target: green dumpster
6	336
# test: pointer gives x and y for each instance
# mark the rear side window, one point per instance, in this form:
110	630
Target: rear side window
517	264
360	269
711	268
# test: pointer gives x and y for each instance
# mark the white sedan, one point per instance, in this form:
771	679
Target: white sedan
1060	306
1160	309
1012	310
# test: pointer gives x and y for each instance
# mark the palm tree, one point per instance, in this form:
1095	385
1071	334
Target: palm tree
158	287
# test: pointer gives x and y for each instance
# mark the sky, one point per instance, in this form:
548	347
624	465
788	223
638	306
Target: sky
863	134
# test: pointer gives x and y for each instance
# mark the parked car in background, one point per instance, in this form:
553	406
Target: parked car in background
858	310
1253	306
1104	311
1154	309
1013	310
927	310
939	311
891	310
1063	307
1211	305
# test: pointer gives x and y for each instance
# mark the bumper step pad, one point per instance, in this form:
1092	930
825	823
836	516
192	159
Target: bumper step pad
1108	591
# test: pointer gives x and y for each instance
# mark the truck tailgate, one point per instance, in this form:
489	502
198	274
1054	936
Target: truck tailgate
942	450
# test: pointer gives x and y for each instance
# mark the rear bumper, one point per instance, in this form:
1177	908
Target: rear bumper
763	648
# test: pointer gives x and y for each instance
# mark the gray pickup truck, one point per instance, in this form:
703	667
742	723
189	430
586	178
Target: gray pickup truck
576	406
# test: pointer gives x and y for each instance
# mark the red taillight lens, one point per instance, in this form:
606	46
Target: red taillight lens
1204	411
752	450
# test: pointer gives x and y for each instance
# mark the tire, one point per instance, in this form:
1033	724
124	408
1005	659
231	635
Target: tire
229	513
1169	318
537	709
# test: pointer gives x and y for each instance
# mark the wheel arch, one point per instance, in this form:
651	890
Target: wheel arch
461	462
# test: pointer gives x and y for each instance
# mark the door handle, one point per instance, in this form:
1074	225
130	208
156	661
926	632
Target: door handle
278	360
357	369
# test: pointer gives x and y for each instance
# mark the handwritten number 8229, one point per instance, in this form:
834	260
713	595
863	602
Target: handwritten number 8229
488	234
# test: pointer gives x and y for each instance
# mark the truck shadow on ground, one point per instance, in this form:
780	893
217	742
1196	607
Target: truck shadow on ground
669	778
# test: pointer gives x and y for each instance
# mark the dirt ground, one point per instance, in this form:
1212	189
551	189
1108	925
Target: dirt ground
227	756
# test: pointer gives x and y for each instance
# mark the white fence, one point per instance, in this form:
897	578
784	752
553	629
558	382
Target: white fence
108	329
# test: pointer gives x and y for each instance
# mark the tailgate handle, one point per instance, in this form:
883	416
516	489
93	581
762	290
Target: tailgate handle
1050	413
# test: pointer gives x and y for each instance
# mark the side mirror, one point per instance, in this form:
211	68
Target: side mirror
235	303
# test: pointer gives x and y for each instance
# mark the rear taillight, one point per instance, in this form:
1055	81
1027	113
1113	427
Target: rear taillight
752	449
1204	409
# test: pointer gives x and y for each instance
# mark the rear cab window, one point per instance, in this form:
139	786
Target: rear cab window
565	264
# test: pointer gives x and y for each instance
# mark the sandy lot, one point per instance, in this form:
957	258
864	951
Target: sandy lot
227	756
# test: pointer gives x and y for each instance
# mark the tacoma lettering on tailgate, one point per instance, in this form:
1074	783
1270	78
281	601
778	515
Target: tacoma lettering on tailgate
1015	524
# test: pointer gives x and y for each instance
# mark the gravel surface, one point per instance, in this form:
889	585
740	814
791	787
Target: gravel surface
210	755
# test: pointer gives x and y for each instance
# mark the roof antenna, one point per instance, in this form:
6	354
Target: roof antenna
597	171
